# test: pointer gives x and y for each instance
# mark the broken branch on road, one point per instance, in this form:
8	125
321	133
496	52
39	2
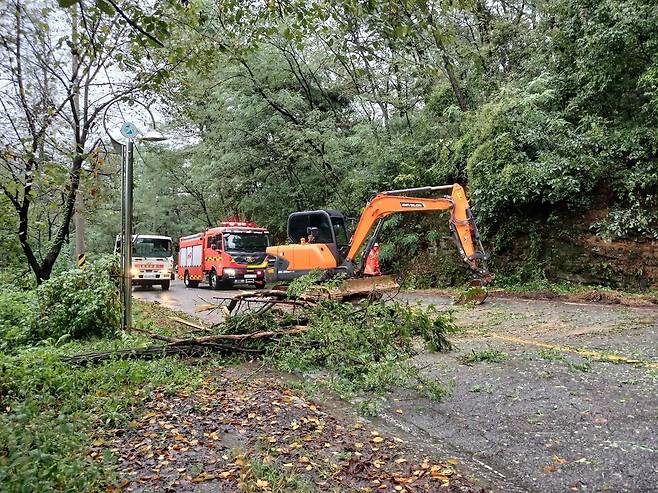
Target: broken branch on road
365	342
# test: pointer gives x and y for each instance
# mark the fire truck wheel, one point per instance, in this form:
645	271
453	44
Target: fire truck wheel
165	285
188	283
213	280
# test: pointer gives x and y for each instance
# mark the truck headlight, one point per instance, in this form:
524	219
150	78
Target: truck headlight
229	272
134	271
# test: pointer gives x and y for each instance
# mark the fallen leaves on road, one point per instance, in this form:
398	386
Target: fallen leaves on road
236	432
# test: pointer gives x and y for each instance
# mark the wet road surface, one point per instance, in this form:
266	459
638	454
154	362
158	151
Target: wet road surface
572	406
188	300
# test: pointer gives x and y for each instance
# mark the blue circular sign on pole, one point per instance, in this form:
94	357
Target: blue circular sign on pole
128	130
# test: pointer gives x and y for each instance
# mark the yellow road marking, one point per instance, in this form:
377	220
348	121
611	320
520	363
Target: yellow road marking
613	358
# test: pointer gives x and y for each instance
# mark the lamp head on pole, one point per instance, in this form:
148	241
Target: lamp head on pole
151	135
124	122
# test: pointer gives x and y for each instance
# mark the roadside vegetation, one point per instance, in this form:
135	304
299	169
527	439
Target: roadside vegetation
62	413
53	412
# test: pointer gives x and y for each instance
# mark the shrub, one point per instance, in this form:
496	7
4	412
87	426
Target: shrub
17	309
80	302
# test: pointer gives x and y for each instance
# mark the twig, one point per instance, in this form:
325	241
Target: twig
152	335
189	324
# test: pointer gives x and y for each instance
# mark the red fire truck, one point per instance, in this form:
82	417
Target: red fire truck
233	253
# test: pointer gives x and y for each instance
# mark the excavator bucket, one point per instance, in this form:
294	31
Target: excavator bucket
363	287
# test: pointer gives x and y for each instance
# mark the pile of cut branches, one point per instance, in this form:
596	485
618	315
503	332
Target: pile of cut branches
365	344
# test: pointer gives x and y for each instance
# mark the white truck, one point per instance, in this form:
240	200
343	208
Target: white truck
153	261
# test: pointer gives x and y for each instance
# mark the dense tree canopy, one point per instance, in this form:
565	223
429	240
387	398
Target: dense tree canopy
546	110
535	105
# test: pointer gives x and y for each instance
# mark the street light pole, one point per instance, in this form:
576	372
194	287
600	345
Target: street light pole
127	244
130	132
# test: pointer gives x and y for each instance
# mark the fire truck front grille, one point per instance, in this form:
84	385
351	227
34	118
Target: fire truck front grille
256	258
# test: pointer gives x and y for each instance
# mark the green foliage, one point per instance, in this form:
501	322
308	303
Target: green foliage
523	156
431	262
302	284
73	304
364	348
551	355
582	366
486	355
17	317
80	302
635	221
370	408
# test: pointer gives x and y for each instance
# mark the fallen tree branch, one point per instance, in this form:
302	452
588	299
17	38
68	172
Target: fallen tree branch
153	352
272	296
297	329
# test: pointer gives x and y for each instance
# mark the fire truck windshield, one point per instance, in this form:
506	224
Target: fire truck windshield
151	247
245	242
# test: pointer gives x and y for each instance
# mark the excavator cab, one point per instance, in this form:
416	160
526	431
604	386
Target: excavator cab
324	226
317	240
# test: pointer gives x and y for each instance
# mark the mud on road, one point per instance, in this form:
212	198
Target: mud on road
545	396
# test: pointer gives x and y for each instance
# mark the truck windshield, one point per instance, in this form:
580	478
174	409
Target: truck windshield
245	242
151	247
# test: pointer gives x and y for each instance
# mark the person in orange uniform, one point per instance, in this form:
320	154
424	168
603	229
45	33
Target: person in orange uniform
372	262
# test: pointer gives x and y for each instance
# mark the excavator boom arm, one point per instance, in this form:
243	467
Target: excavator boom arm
462	223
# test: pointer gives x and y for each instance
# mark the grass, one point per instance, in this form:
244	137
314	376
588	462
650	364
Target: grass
369	408
258	474
487	388
485	355
551	355
583	366
555	355
52	413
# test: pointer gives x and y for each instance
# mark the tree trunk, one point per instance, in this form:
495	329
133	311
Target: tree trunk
23	221
454	83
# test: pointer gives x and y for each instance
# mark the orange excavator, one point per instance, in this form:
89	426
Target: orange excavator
319	239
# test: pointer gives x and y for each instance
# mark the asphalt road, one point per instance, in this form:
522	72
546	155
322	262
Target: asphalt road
546	418
187	300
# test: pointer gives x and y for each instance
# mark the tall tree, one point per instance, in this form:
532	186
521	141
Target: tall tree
60	70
